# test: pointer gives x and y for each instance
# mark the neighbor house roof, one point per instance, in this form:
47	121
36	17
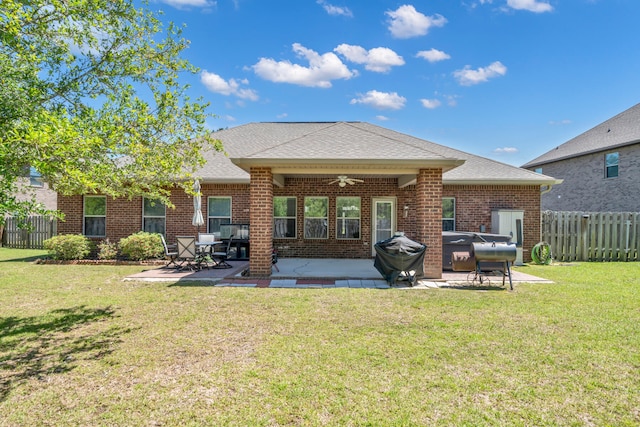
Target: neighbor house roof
618	131
356	148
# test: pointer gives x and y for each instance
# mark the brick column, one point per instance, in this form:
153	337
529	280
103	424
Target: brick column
429	219
261	221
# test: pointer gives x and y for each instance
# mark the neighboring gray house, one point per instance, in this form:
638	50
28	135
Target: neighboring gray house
34	187
600	168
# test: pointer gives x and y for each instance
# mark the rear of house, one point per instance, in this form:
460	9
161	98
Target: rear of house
328	190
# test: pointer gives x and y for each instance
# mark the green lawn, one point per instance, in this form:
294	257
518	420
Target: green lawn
78	346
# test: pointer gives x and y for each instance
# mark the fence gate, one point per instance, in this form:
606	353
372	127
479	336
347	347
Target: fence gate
41	228
592	236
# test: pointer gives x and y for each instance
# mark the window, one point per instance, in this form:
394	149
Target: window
284	217
219	213
538	170
95	216
35	178
153	216
348	217
316	217
611	165
448	214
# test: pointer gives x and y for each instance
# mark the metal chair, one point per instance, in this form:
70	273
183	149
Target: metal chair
220	258
187	253
170	254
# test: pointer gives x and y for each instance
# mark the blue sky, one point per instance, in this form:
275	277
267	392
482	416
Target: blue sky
503	79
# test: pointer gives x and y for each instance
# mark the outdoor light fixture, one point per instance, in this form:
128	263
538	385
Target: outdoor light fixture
406	211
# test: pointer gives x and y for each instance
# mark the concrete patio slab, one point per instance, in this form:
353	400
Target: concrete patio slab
325	273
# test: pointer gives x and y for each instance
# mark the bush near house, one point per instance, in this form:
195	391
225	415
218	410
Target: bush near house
107	250
68	247
141	246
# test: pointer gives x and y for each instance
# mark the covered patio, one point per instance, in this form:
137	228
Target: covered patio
319	273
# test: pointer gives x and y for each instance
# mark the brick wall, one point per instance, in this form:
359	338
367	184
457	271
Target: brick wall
429	219
343	248
261	214
473	209
124	217
474	204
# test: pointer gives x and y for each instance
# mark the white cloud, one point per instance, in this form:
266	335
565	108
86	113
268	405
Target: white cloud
530	5
406	22
507	150
184	4
217	84
321	71
469	77
560	122
379	59
382	118
335	10
381	100
282	116
431	104
433	55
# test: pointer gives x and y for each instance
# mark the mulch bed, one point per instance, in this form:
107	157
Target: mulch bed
153	262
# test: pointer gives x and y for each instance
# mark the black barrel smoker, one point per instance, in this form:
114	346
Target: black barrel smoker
494	251
400	258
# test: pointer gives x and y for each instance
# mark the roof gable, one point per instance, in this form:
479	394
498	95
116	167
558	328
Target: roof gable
618	131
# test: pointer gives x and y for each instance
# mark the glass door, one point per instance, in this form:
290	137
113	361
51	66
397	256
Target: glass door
384	220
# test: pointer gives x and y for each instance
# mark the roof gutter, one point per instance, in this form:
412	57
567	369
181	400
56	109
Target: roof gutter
445	163
545	182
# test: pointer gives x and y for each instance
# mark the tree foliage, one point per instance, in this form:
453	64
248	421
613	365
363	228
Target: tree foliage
90	95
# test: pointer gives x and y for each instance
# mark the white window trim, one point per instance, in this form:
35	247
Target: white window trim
606	166
359	218
230	210
164	217
84	215
454	212
326	218
295	218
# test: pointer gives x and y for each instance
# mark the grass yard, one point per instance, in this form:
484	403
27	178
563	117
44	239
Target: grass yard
78	346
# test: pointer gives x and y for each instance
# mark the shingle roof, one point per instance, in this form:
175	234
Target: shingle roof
618	131
350	141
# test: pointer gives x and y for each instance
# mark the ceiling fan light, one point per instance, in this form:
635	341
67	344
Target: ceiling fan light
342	183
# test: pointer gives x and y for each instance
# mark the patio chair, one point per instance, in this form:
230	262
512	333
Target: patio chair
170	253
187	253
220	258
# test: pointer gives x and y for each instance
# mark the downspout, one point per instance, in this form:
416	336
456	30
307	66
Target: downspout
546	190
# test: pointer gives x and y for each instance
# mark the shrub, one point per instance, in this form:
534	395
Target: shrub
107	250
68	246
141	246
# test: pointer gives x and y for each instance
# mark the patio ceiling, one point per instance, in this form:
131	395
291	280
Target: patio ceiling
404	170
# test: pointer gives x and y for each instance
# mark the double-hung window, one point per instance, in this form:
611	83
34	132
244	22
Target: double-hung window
95	216
316	218
219	212
448	214
611	165
154	216
348	217
284	217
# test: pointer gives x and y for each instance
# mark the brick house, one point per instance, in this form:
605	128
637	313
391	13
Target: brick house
282	180
600	168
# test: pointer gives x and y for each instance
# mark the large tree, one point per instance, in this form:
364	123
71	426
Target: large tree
90	95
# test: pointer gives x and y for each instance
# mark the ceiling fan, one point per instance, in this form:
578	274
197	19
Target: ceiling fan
343	180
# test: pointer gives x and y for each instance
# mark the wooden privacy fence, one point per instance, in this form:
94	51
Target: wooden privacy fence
592	236
41	228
